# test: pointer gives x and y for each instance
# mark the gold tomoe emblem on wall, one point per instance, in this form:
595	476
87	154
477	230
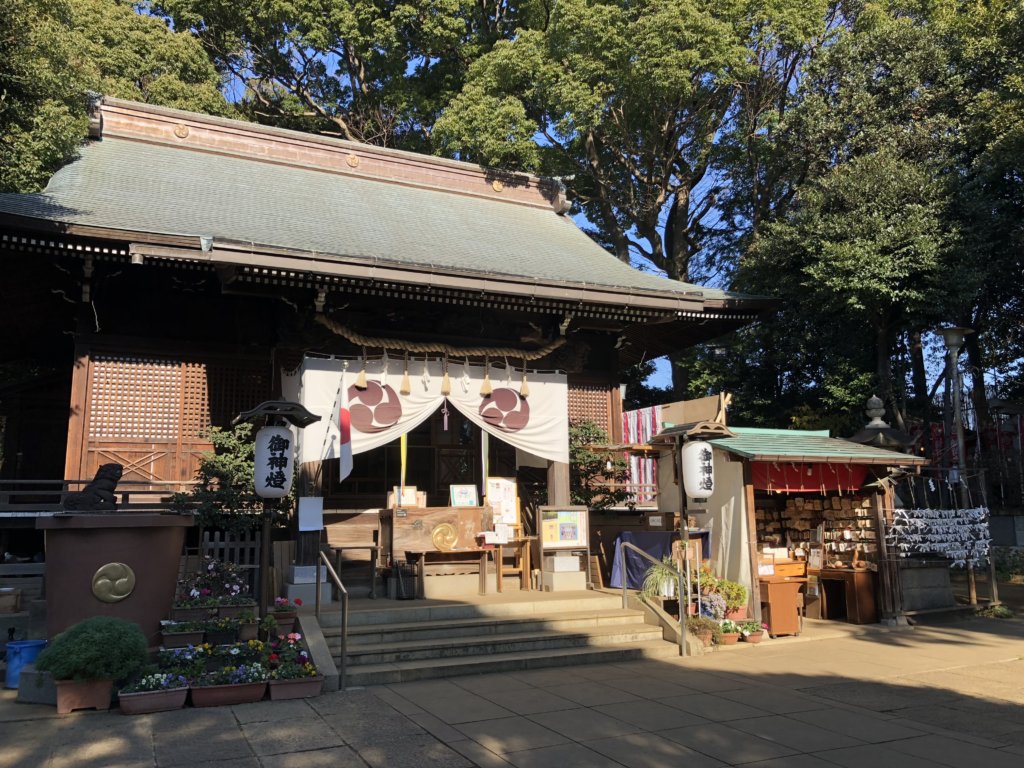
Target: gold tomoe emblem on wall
444	536
113	582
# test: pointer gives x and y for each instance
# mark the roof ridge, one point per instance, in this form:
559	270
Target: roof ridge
196	131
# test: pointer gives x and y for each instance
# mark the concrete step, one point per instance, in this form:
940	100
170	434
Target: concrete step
503	643
485	625
518	604
407	671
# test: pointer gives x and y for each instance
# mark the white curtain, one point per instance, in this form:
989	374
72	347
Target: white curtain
537	424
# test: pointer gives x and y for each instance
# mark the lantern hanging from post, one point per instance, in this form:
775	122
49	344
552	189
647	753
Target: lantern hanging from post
698	469
275	462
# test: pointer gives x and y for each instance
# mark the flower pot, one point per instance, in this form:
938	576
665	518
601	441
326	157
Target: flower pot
728	638
691	608
736	614
182	639
247	631
190	614
754	637
285	622
234	611
296	688
144	702
225	695
83	694
221	636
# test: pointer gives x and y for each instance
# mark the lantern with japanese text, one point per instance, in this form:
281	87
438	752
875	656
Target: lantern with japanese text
275	462
698	469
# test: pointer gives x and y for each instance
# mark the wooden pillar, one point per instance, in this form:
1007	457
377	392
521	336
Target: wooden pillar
891	603
748	505
77	415
558	483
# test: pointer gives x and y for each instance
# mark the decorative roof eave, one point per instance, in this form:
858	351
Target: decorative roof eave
874	459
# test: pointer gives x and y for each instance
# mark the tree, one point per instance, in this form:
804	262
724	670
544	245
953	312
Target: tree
592	472
56	52
633	101
365	70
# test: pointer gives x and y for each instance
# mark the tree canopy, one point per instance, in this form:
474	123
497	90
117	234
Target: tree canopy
860	159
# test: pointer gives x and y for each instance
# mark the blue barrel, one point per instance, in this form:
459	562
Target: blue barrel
20	653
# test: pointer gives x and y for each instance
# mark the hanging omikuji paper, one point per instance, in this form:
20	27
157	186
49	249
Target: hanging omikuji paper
962	535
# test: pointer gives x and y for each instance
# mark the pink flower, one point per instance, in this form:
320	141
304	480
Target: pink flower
298	601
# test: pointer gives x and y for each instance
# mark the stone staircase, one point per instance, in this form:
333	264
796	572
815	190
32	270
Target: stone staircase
397	641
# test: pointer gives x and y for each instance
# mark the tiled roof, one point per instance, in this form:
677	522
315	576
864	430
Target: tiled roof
135	185
806	446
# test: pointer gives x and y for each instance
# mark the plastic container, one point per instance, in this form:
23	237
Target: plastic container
20	653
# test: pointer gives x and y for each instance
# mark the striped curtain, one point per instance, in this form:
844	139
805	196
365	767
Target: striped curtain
640	426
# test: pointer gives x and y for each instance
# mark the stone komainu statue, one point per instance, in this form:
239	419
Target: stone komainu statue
97	496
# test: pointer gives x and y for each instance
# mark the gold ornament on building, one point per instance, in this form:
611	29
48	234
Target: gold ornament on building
497	186
181	131
353	161
113	582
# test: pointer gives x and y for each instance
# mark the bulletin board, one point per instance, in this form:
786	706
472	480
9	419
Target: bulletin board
564	528
501	496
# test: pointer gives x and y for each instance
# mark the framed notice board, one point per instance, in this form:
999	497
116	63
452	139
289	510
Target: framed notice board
564	528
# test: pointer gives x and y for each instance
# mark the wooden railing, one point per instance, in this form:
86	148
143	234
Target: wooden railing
34	497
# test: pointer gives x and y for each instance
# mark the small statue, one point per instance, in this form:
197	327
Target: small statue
97	496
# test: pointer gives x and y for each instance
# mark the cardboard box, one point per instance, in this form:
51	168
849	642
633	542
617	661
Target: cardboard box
10	600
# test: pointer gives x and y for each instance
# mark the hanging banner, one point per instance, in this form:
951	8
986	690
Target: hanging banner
537	424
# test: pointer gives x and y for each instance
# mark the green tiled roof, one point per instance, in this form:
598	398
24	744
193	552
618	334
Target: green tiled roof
810	446
135	186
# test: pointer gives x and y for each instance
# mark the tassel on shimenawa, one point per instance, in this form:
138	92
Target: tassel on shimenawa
485	388
524	387
406	387
446	383
361	378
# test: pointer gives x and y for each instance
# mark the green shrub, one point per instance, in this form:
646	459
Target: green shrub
99	648
697	625
735	594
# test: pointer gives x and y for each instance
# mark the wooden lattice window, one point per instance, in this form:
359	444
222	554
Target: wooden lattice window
134	398
591	403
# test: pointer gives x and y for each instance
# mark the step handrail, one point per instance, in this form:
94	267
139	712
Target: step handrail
344	613
679	587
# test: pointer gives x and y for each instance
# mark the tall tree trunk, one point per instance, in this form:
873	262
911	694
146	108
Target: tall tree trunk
919	376
883	369
982	417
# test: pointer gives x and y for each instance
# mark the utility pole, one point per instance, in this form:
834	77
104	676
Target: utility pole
954	338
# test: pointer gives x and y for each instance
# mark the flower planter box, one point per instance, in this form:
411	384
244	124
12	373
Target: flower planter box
221	636
737	614
144	702
728	638
754	637
83	694
248	632
234	611
190	614
10	600
297	688
182	639
226	695
285	622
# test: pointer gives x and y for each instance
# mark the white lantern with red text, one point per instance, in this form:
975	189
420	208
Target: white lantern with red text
275	462
698	469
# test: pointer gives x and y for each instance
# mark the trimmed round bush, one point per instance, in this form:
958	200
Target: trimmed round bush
98	648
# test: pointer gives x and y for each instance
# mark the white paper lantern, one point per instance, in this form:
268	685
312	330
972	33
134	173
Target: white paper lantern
275	462
698	469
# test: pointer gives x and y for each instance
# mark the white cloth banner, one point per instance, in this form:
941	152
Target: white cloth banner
537	424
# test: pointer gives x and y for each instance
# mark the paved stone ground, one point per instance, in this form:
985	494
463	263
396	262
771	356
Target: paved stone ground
836	696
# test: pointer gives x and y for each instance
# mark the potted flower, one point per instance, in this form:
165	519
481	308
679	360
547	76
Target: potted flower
292	680
221	631
88	657
703	628
189	662
735	595
752	631
661	579
247	625
193	606
238	653
729	633
713	606
234	606
268	627
243	684
155	692
285	611
181	634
